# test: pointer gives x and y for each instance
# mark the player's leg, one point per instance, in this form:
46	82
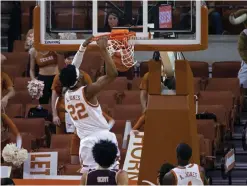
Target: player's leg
87	160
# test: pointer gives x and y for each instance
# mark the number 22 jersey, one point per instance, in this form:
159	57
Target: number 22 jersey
86	117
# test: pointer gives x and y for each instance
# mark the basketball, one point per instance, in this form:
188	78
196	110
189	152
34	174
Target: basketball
118	62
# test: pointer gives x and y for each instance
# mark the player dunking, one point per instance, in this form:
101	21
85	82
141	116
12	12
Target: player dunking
82	104
185	173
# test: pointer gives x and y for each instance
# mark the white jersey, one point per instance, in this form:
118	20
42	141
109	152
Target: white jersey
188	175
87	118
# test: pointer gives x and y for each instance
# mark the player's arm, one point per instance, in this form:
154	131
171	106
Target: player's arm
143	98
111	72
10	87
122	178
32	63
168	179
26	45
144	93
80	53
203	176
84	179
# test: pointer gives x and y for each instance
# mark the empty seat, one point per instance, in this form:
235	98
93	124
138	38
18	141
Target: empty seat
226	84
35	127
28	140
131	97
14	110
109	98
23	97
119	127
224	98
12	70
205	147
21	83
61	141
199	68
119	84
209	130
225	69
19	46
127	112
197	85
220	111
70	169
16	58
63	154
136	83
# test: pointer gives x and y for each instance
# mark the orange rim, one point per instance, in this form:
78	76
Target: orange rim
118	34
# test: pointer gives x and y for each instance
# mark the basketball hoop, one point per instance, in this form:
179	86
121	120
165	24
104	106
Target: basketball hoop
120	48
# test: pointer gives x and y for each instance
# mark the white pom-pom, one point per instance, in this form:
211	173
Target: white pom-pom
35	88
12	154
68	36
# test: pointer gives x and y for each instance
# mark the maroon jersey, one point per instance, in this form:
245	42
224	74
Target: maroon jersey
101	177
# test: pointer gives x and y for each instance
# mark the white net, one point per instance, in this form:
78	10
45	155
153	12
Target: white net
124	49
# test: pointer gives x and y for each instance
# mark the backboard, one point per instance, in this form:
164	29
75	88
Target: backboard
159	25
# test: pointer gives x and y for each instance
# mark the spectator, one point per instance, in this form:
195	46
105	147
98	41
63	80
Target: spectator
112	20
214	19
6	85
105	154
48	68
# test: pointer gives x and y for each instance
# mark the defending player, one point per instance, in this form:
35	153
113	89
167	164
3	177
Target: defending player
105	154
185	173
82	104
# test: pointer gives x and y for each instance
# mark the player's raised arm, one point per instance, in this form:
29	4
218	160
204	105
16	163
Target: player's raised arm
80	53
111	71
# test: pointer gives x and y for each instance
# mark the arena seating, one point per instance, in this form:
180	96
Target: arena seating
220	95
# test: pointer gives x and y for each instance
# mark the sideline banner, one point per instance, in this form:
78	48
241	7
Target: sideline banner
133	156
40	164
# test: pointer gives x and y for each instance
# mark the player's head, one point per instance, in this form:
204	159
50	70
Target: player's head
164	169
68	57
105	153
70	77
112	19
184	153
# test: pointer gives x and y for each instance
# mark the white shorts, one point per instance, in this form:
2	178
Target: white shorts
242	75
86	145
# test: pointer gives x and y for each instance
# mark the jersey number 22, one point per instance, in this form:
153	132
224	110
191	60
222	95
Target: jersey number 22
78	111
